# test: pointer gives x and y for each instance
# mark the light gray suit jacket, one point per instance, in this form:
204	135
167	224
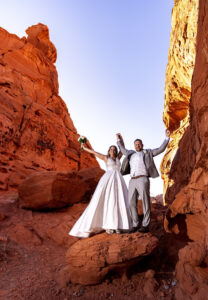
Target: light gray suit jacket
148	155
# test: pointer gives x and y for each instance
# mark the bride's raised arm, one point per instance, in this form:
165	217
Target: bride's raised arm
120	154
99	155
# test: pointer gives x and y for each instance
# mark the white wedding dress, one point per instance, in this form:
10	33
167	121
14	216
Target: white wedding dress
109	207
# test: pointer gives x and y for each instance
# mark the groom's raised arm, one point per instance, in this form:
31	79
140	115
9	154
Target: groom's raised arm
162	148
121	146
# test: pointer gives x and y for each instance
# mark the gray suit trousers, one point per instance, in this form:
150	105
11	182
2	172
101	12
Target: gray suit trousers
139	188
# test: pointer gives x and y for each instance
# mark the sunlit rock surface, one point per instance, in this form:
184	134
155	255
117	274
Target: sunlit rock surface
36	130
181	60
185	165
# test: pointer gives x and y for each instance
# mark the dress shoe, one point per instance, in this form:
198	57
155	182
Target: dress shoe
118	231
143	229
134	229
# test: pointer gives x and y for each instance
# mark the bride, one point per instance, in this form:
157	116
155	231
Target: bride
109	208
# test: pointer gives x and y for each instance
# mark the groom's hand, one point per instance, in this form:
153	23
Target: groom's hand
118	135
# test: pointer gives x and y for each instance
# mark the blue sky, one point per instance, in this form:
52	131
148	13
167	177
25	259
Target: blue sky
112	57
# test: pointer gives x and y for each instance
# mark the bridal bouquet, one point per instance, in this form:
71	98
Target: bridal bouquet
82	139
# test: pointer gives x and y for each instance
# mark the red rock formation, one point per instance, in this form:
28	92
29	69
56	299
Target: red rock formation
33	245
31	114
191	270
188	196
36	131
51	189
181	60
90	260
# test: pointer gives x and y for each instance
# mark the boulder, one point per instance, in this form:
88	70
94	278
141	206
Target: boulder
50	190
90	260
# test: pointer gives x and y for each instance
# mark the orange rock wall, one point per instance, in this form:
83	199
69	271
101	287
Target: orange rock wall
36	130
189	169
187	162
181	60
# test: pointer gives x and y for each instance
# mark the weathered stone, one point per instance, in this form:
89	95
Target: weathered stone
186	165
191	272
47	190
90	260
25	236
36	130
181	61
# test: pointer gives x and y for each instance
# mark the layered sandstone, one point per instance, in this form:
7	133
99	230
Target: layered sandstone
187	195
181	60
36	130
90	260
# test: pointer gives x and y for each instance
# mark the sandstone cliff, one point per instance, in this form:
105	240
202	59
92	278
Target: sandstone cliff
185	166
181	60
36	130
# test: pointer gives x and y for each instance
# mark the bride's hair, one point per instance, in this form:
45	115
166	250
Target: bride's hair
115	148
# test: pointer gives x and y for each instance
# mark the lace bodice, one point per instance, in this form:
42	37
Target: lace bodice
112	164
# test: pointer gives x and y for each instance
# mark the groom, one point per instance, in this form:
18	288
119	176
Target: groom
141	166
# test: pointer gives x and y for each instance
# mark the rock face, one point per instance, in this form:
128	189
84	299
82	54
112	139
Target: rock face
90	260
51	189
181	60
187	195
36	131
191	270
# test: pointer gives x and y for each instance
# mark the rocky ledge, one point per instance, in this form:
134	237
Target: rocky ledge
90	260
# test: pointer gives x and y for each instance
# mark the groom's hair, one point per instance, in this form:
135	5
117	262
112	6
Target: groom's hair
138	140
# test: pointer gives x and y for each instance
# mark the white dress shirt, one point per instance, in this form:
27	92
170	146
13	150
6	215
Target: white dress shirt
137	166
